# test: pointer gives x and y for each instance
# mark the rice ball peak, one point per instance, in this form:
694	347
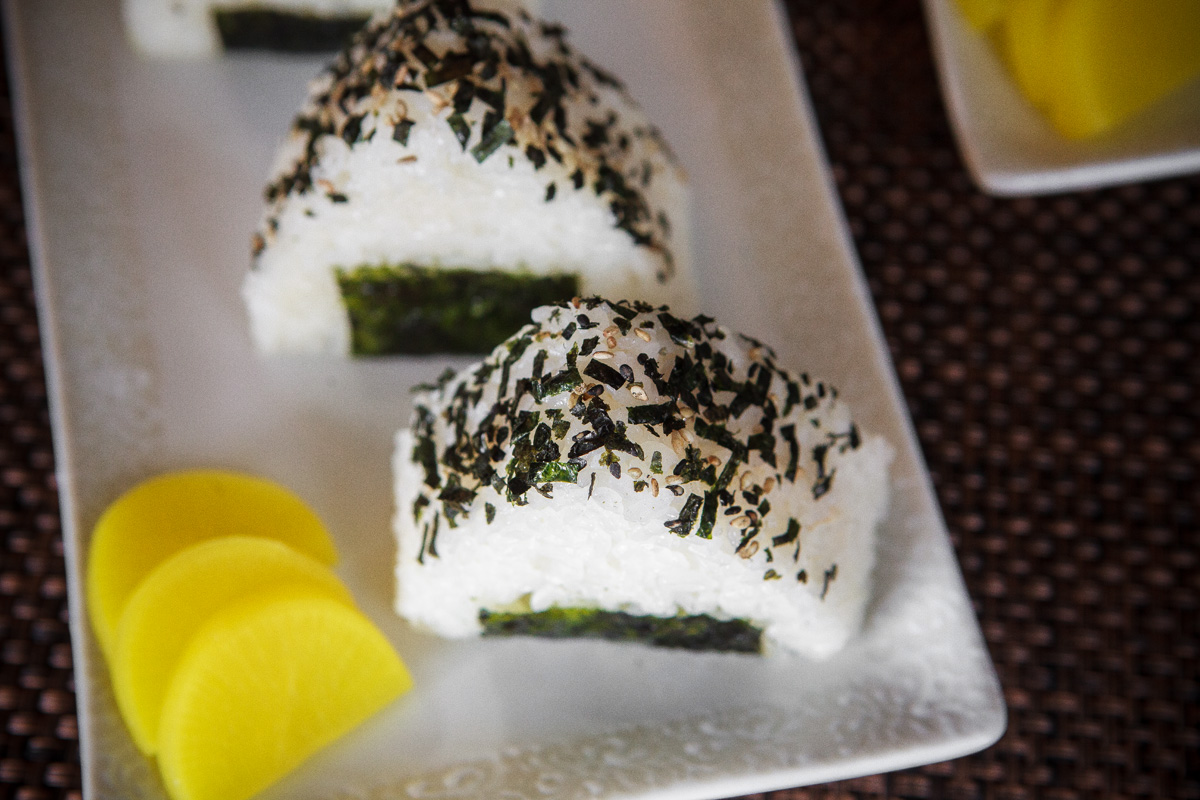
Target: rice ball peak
454	168
615	470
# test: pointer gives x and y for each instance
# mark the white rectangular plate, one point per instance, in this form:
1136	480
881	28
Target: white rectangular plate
143	182
1011	149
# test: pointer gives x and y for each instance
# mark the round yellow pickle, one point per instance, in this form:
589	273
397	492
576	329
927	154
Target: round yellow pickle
264	684
179	596
163	515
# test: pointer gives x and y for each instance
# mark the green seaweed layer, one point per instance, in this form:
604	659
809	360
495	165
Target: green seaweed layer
414	310
698	632
282	31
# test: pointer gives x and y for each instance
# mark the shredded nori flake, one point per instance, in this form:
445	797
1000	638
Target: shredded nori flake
401	130
789	536
605	374
687	516
500	134
461	128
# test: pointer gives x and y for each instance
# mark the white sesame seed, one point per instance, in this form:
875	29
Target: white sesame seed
749	550
686	412
654	487
610	341
634	472
741	522
603	355
769	484
637	391
642	334
746	482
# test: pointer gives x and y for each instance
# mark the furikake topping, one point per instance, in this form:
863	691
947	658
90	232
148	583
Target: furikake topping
728	446
502	85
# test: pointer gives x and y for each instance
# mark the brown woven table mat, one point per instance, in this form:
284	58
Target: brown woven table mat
1049	350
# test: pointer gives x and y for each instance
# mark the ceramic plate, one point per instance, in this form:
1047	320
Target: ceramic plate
1011	149
143	182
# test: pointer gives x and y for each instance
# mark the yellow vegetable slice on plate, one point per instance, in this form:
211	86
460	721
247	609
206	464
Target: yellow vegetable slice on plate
1118	57
983	14
179	596
1028	46
161	516
267	682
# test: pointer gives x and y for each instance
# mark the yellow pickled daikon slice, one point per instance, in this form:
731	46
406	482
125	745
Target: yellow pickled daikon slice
179	596
1029	47
983	14
266	683
1117	57
161	516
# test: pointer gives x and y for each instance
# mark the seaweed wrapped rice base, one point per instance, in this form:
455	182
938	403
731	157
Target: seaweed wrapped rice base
614	470
453	169
183	28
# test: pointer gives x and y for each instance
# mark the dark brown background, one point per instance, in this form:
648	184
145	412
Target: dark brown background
1049	350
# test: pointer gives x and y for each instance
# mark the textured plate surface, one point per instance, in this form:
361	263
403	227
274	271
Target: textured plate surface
143	181
1011	149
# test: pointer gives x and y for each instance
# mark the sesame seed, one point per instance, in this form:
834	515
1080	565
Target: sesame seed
603	355
741	522
637	391
686	412
610	341
716	462
654	487
576	301
642	334
769	484
746	482
673	479
678	442
634	472
407	160
749	550
611	330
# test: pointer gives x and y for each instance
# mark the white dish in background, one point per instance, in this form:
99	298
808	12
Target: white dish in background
1011	149
142	182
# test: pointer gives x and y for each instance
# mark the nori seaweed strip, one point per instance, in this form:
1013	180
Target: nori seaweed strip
695	632
282	31
418	310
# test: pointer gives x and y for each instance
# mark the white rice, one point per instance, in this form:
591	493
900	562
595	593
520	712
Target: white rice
600	543
430	200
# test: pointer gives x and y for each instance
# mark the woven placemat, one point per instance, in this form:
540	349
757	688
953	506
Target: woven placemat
1049	350
39	752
